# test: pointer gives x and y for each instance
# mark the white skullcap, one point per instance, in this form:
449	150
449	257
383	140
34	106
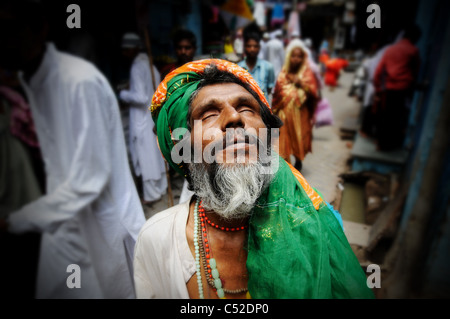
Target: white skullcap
278	33
308	43
131	40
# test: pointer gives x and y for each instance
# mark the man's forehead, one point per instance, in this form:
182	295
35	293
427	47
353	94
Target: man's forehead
184	43
222	91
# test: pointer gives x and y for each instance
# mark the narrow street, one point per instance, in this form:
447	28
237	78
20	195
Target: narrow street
330	154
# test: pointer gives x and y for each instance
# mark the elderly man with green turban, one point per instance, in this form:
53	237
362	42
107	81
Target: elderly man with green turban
254	228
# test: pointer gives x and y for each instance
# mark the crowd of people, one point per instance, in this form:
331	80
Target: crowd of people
385	82
249	228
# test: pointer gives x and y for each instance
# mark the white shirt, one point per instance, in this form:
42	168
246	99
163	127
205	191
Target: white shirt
371	66
145	155
275	55
238	46
91	213
163	262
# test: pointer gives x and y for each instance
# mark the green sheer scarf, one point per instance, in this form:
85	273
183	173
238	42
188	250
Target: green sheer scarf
296	251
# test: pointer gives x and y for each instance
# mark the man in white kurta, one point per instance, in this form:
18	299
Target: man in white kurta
162	267
275	52
91	214
145	155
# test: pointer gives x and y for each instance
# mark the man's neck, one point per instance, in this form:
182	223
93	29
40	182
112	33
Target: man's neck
251	62
230	224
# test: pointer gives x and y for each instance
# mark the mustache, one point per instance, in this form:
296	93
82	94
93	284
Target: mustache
235	136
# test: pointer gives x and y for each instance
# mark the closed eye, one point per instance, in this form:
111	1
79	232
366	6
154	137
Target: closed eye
209	114
242	109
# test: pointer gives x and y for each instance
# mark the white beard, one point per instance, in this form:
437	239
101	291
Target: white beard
230	190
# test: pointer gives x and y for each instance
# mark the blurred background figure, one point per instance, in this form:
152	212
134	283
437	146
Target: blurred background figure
238	44
263	44
367	114
148	163
228	50
19	185
323	113
90	213
359	82
185	44
295	35
324	56
333	68
313	53
294	101
261	70
228	45
275	51
395	79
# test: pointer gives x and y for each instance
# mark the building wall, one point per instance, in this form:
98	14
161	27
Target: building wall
424	233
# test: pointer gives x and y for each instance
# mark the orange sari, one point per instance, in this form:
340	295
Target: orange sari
295	107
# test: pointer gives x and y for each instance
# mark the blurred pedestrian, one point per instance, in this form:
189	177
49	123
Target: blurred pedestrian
333	69
19	186
368	122
275	52
238	44
394	80
295	35
263	44
90	214
323	114
185	44
261	70
294	100
313	54
323	59
146	158
228	45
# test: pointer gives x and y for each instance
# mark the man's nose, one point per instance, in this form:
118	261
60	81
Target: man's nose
231	118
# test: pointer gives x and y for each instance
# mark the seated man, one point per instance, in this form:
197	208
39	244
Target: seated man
254	228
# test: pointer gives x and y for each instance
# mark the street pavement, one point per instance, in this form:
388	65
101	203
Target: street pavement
330	154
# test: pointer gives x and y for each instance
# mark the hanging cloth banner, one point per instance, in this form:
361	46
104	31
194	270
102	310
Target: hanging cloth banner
236	14
294	24
259	12
277	15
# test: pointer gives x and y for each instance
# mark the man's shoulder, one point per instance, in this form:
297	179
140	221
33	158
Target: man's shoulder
268	65
242	64
161	224
77	70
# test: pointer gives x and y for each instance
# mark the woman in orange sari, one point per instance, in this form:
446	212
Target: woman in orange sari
294	101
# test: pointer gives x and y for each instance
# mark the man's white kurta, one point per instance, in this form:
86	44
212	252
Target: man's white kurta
91	213
163	262
145	155
275	55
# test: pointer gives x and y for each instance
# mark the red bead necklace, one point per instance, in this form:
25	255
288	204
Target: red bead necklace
203	218
206	251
